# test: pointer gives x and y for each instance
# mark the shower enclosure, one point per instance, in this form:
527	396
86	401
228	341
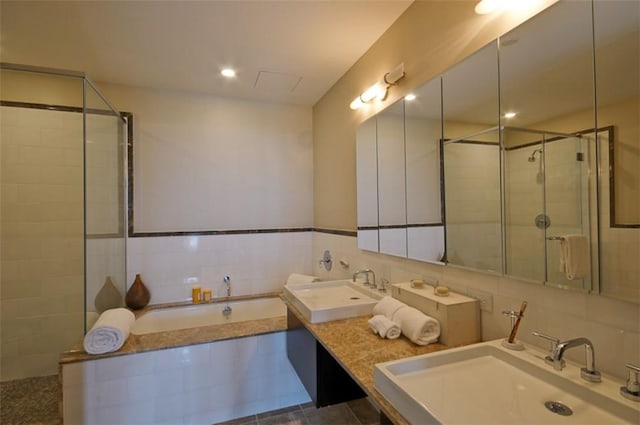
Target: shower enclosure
523	194
63	215
550	190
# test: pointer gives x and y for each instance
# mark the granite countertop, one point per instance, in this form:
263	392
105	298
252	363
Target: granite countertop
352	343
182	337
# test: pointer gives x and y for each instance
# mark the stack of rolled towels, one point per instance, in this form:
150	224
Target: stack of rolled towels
110	331
392	318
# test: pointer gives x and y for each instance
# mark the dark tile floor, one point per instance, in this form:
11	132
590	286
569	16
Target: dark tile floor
356	412
35	401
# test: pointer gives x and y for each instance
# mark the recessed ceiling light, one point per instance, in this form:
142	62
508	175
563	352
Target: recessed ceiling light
509	115
228	72
410	97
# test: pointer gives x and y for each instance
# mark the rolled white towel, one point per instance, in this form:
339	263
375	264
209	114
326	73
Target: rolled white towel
417	326
387	307
384	327
110	331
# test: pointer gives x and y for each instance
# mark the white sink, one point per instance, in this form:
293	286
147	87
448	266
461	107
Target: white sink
326	301
487	384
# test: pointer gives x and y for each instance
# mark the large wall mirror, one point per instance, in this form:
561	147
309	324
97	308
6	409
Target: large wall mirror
522	157
471	160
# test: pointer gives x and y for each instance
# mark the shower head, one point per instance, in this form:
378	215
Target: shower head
532	158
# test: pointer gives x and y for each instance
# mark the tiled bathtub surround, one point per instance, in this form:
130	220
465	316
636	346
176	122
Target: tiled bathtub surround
203	384
613	326
256	263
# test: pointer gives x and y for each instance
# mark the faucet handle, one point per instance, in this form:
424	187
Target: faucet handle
554	341
383	285
632	389
558	365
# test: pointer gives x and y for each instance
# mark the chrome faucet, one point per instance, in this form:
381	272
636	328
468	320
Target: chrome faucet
227	281
227	309
558	348
366	272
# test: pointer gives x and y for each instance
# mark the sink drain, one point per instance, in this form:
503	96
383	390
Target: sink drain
558	408
354	298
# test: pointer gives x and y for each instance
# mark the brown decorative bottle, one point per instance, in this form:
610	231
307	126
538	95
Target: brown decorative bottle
138	295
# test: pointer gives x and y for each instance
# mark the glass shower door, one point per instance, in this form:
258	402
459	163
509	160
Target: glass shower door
567	199
105	221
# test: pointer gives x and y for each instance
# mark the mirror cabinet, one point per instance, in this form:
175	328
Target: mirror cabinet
529	145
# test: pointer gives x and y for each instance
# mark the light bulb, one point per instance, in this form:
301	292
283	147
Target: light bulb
228	72
356	104
485	7
376	90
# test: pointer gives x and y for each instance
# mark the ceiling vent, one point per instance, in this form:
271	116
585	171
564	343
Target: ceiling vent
276	82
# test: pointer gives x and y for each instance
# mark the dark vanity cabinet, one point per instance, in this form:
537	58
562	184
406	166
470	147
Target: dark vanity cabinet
325	380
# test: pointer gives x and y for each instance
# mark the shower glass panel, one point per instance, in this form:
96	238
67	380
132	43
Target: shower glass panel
525	216
566	181
104	178
473	201
45	127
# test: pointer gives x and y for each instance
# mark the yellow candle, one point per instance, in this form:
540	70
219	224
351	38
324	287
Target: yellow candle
196	294
207	294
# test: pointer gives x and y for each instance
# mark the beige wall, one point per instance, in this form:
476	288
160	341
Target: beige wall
428	38
209	163
33	87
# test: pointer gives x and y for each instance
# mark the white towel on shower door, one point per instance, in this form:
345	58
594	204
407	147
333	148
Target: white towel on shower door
110	331
574	256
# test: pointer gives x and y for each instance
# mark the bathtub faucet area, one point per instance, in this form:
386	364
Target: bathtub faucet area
227	308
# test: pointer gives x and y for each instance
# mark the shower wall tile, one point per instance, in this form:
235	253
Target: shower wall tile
42	248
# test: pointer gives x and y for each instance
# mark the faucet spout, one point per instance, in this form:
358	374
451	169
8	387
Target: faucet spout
588	372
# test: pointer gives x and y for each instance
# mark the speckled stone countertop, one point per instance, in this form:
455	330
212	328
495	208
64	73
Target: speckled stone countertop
182	337
352	343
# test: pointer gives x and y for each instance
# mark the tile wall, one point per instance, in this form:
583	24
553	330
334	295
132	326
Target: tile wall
42	297
256	262
198	384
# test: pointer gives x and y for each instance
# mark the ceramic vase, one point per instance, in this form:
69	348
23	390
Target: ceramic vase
108	297
138	295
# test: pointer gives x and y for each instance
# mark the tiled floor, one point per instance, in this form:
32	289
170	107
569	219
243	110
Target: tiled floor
35	401
30	401
356	412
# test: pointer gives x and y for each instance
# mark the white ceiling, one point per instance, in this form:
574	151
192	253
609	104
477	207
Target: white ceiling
284	51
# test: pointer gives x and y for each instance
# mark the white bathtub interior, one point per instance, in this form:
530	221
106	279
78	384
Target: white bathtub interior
196	315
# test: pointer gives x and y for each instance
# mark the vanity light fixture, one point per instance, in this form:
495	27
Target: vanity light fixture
484	7
228	72
379	90
509	115
410	97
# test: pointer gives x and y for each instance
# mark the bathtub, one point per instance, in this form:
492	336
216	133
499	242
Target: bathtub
192	316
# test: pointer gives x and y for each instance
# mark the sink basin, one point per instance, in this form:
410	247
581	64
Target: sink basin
487	384
326	301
